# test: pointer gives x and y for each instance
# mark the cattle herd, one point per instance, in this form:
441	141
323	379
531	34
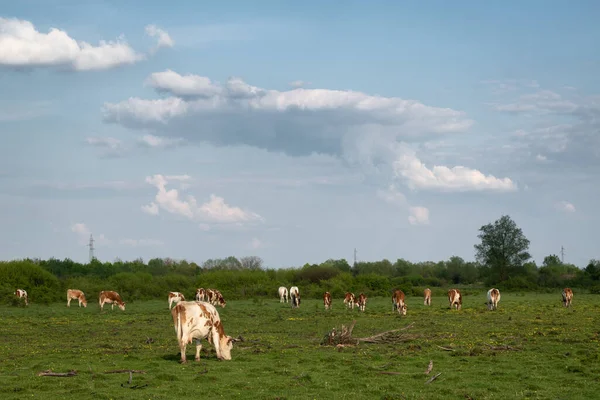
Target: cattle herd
196	320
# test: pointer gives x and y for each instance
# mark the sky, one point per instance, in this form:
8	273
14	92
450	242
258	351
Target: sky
297	131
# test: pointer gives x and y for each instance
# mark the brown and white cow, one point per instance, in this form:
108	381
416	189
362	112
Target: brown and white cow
398	302
200	294
215	298
111	298
175	297
22	294
283	294
361	302
493	297
349	300
427	297
455	298
295	296
567	296
199	320
327	300
74	294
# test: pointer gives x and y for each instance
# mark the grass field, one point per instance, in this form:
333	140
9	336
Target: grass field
554	352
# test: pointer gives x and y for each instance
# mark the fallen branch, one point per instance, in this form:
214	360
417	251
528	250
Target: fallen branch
60	374
446	348
344	337
433	378
380	336
391	373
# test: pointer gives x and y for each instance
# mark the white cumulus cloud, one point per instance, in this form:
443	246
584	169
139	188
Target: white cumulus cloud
22	45
162	37
565	206
215	210
418	216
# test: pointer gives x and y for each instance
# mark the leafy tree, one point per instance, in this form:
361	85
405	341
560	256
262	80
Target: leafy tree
551	260
503	247
251	262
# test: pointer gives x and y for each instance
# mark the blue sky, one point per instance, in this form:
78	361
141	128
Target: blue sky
297	131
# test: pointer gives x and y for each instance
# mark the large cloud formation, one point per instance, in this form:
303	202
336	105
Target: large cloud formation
22	45
356	127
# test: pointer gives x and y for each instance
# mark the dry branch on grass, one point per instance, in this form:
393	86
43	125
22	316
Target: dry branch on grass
433	378
119	371
446	348
429	368
59	374
343	337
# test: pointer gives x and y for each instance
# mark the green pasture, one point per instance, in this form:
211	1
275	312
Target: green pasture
531	347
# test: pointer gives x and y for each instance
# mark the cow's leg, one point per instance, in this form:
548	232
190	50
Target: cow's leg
68	302
182	346
198	348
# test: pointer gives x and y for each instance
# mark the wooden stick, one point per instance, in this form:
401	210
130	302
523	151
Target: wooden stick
61	374
446	348
375	337
433	378
429	368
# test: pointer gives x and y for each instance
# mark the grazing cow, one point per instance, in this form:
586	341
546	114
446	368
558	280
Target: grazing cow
215	298
361	302
22	294
199	320
111	298
295	296
349	300
493	297
567	297
175	297
74	294
398	303
283	294
455	298
427	297
327	300
200	294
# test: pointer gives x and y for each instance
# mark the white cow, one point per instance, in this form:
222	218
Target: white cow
199	320
283	294
493	297
22	294
295	296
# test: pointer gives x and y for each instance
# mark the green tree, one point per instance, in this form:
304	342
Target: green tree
503	248
551	260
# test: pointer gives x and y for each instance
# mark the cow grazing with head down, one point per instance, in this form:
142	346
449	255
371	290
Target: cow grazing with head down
493	297
427	297
295	296
283	294
567	297
110	297
200	294
455	298
175	297
197	320
349	300
215	298
327	300
74	294
398	302
22	294
361	302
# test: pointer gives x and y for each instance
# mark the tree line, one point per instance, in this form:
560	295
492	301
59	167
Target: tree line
501	260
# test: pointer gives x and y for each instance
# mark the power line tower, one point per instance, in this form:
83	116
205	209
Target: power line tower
562	254
354	257
91	246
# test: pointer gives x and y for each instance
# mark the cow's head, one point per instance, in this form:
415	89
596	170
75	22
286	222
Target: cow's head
84	301
403	309
122	306
226	346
